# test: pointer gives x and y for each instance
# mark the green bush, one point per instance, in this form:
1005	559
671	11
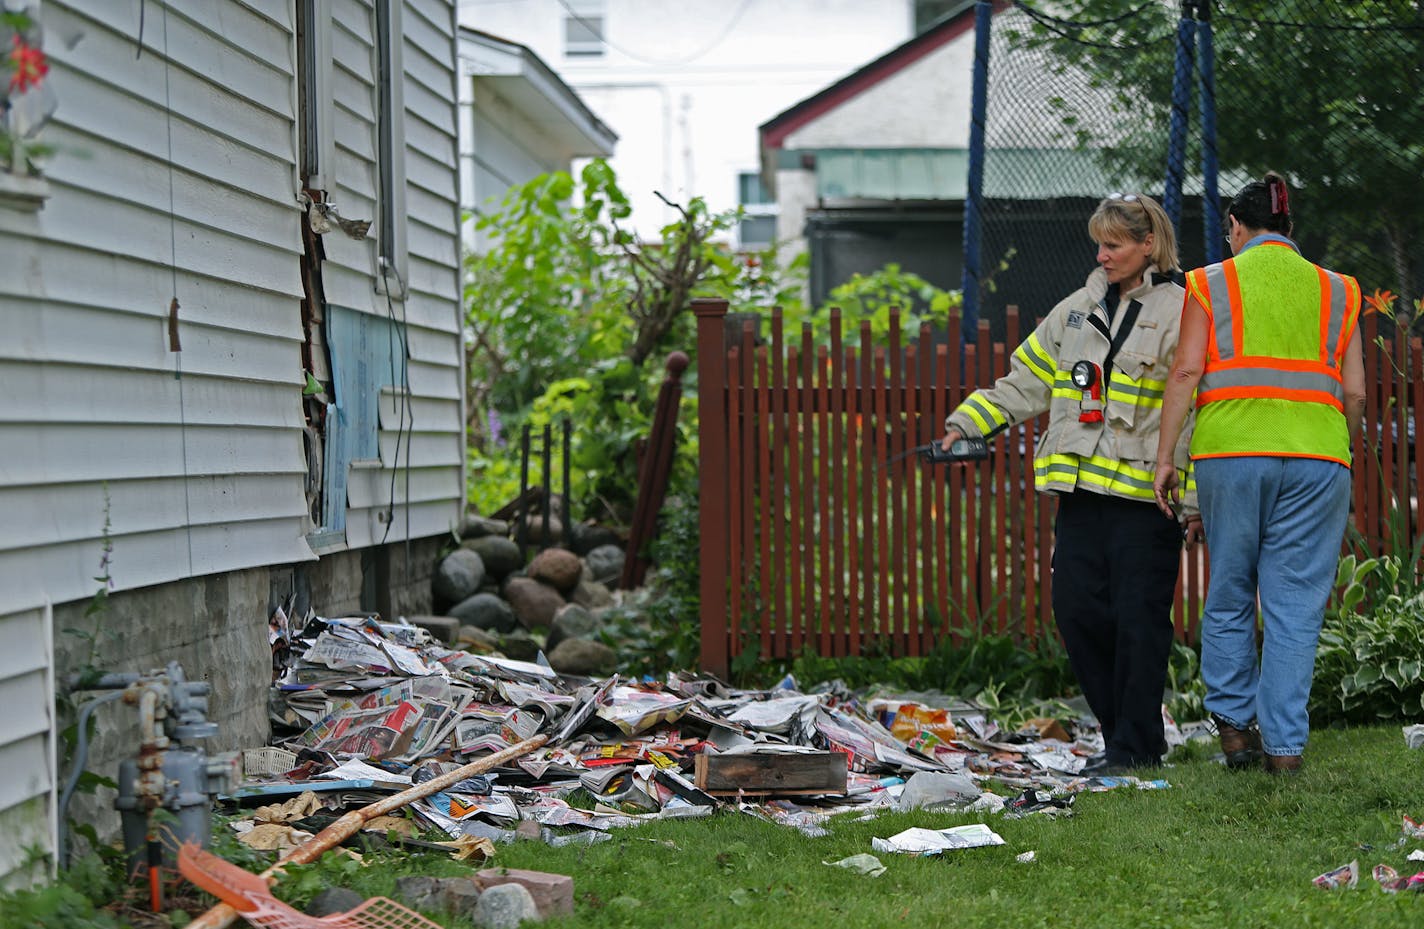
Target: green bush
660	630
1371	654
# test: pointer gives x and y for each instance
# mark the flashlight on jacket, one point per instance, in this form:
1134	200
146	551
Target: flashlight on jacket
1087	376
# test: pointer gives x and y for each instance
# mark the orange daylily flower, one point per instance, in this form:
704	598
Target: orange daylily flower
1381	302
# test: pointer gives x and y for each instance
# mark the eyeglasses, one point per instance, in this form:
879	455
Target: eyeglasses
1125	198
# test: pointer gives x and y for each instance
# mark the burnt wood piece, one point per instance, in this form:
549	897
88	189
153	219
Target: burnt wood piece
782	774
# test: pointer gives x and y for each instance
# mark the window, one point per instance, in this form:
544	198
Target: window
758	226
583	29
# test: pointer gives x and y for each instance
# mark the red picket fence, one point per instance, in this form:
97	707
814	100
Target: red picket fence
815	538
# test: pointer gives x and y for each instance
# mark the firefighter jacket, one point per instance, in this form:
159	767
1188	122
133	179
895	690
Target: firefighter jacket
1116	455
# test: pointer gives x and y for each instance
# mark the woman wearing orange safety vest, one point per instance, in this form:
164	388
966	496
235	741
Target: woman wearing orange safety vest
1270	346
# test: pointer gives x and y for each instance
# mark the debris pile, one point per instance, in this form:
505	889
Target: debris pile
365	708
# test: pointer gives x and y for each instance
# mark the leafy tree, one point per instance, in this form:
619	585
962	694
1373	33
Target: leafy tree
1329	93
561	314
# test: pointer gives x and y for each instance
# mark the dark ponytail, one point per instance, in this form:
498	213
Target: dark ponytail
1264	204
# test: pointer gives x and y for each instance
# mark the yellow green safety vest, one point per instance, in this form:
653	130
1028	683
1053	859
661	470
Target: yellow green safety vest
1279	327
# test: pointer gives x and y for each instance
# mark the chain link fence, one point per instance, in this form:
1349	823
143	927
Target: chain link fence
1080	105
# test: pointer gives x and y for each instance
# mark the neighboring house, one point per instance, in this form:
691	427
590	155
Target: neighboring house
518	120
872	169
161	313
684	84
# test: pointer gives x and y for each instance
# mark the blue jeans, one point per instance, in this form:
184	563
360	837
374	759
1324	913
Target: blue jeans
1273	527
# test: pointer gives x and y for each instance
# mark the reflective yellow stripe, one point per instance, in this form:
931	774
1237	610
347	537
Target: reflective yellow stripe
1038	361
983	413
1145	392
1120	478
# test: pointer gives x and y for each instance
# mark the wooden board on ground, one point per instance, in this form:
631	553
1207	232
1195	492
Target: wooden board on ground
777	773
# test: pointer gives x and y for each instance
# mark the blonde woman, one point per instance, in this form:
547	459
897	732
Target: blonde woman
1097	364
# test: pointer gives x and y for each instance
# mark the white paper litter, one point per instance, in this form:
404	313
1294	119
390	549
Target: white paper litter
916	841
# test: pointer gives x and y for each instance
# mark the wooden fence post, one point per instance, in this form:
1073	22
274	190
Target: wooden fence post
713	504
654	472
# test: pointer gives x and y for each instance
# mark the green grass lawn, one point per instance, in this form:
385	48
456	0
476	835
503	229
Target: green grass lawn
1218	849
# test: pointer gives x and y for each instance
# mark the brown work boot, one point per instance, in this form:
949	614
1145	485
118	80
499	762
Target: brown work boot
1282	764
1242	747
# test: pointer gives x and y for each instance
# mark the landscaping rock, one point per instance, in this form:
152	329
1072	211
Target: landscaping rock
334	900
419	892
606	563
553	894
534	604
588	536
571	622
459	575
505	907
475	527
500	555
456	895
535	532
475	639
485	611
444	629
557	567
591	595
519	645
583	657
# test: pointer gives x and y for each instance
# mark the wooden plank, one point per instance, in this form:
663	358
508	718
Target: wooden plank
954	511
942	559
984	579
812	463
1416	355
893	481
751	456
844	450
856	569
1000	568
911	467
795	475
738	524
783	774
775	488
829	536
765	433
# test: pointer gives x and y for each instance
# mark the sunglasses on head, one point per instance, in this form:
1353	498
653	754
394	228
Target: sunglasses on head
1125	198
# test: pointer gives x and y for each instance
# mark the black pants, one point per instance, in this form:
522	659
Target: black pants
1115	568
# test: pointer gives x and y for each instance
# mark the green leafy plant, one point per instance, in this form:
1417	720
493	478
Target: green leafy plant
660	630
1369	665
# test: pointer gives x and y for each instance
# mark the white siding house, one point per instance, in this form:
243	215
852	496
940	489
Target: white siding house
163	309
685	84
518	120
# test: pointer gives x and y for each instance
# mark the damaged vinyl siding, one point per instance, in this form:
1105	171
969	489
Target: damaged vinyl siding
419	421
204	472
